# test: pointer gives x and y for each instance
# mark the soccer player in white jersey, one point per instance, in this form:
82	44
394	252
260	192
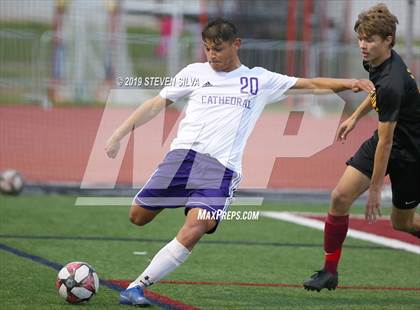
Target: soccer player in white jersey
203	168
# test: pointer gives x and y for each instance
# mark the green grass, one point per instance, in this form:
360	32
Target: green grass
32	26
25	284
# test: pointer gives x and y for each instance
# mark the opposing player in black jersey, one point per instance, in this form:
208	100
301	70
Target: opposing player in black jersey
393	149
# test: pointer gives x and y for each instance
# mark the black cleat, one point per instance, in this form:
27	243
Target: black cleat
321	279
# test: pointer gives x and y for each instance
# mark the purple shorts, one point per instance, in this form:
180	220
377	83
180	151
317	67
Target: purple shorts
189	179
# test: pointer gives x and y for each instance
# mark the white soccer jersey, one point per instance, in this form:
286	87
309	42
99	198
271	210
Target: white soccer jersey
223	108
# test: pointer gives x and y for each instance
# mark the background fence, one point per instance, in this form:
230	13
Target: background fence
27	64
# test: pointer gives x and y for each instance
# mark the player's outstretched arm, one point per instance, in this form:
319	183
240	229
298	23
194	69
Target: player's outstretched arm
144	113
335	85
349	124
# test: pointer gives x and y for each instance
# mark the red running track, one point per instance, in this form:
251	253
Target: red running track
48	145
381	227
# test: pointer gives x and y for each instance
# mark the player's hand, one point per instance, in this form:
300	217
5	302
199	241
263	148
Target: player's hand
112	147
345	127
373	206
366	85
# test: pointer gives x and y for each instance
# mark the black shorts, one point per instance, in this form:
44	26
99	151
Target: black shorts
404	175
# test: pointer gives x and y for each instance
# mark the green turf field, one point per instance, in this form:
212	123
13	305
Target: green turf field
263	251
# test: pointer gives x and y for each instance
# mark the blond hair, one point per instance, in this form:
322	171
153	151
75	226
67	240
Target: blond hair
377	20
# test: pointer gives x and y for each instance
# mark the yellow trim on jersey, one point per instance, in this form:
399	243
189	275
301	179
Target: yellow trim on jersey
373	101
411	74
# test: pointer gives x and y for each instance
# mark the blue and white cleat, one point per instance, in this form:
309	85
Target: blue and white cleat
134	296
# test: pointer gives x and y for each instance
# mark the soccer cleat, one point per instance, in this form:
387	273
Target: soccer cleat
134	296
321	279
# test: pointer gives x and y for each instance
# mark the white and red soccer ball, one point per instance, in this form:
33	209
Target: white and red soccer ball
77	282
11	182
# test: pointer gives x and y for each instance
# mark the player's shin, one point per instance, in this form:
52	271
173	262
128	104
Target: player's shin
335	232
164	262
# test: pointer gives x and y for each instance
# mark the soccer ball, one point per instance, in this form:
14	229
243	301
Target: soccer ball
11	182
77	282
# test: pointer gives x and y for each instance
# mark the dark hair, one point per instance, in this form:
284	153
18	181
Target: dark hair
219	30
377	20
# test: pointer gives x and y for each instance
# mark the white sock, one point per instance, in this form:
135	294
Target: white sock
165	261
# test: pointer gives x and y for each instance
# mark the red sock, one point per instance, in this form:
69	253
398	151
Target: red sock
335	232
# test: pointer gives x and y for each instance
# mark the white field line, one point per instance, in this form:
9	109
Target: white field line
317	224
126	201
352	216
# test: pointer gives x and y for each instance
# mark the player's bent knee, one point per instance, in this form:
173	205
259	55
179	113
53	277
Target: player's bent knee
195	229
136	220
339	200
137	217
402	226
403	220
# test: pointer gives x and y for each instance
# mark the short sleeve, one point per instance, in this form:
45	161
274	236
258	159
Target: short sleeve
388	104
277	85
178	89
